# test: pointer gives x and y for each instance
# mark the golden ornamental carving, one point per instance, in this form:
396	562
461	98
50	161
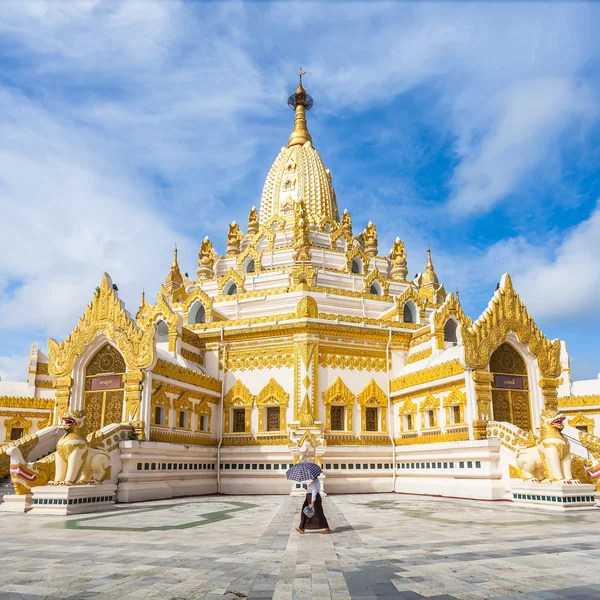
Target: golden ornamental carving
408	408
231	275
574	401
352	363
190	338
260	358
580	420
369	237
306	417
307	351
250	253
253	221
41	369
505	313
450	308
238	395
184	375
105	314
420	355
347	223
43	384
375	275
18	421
302	275
441	371
206	259
307	308
192	356
351	254
273	393
399	269
26	403
234	239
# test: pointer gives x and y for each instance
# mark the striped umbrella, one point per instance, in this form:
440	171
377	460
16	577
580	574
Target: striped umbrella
303	471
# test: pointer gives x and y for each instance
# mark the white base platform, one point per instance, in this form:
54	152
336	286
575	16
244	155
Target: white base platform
16	503
73	499
553	496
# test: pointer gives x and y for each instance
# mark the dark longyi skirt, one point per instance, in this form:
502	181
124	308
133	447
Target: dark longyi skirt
318	520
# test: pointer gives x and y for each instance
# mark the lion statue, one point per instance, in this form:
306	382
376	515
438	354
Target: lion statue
76	462
550	459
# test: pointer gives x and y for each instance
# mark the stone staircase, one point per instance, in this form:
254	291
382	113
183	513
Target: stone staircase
6	487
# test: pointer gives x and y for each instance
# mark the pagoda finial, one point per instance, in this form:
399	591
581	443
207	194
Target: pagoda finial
174	279
429	277
300	102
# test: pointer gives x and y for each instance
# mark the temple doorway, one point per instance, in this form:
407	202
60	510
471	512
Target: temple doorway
103	395
510	387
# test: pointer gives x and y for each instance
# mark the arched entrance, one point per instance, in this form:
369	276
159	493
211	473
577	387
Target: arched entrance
103	396
510	387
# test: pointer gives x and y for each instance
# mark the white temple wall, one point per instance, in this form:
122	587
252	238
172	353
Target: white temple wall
469	469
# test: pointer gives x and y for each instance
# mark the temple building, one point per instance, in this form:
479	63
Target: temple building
306	340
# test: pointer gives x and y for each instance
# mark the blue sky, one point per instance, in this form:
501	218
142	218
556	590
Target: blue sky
126	127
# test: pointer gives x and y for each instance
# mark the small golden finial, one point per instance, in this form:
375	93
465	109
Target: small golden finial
300	73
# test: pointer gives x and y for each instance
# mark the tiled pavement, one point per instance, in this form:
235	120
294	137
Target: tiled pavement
384	546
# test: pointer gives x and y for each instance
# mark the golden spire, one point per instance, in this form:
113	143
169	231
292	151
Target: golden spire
429	277
174	279
300	102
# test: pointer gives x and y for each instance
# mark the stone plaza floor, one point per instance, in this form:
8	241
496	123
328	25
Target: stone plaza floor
383	546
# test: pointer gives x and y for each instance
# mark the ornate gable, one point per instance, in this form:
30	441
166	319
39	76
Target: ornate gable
338	390
239	395
231	275
372	394
375	275
272	393
105	314
505	313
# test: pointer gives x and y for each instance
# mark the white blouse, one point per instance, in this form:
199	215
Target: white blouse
313	487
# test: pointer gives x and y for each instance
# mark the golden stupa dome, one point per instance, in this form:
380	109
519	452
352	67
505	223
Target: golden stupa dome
298	173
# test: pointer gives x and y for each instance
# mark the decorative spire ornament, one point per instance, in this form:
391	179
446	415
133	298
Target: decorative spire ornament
398	261
175	278
206	259
234	239
253	221
300	102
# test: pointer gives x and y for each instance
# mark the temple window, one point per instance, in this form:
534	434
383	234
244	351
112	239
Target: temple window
231	289
203	422
357	266
371	418
184	419
578	427
375	289
239	420
16	433
338	418
273	418
250	266
429	419
450	332
162	332
408	423
159	415
199	314
455	416
408	313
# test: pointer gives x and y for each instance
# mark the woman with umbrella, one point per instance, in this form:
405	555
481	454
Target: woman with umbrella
313	516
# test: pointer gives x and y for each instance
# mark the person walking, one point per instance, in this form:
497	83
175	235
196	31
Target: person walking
313	499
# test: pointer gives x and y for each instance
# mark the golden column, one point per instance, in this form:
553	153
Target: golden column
483	396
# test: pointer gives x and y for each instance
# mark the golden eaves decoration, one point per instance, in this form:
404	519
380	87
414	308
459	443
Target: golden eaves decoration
592	400
505	313
430	402
105	314
272	393
175	372
238	395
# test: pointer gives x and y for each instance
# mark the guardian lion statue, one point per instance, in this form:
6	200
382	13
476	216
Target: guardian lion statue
550	459
76	462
